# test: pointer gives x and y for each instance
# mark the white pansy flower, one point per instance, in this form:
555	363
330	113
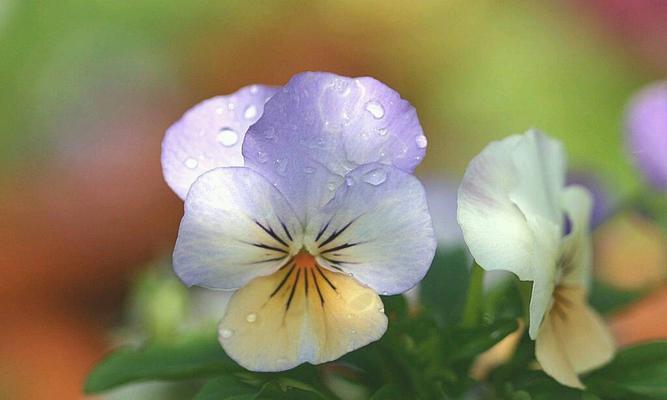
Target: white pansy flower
517	215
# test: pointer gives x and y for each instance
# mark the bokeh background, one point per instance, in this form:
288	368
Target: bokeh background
88	87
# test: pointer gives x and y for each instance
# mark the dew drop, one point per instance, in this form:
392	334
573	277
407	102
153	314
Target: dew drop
376	177
252	317
227	137
281	165
231	106
382	131
254	89
191	163
261	157
219	110
331	187
349	181
421	141
226	333
250	112
375	108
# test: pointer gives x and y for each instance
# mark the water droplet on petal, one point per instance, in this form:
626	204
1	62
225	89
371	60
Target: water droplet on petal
219	110
226	333
227	137
252	317
191	163
381	309
250	112
349	181
254	89
382	131
421	141
270	133
308	170
261	157
231	106
375	108
281	165
376	176
331	186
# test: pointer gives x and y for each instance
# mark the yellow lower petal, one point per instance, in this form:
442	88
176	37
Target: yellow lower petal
573	338
301	313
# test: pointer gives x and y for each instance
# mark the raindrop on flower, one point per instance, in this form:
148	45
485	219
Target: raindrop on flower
382	131
228	137
252	317
376	177
281	165
261	157
331	186
375	108
421	141
191	163
250	112
231	106
349	181
254	89
226	333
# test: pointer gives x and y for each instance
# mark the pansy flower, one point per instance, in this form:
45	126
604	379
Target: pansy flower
517	215
646	128
306	207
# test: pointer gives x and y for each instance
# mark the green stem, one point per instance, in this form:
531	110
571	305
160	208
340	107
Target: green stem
472	312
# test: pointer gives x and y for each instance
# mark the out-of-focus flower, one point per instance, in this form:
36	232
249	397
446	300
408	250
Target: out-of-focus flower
647	133
322	217
441	196
513	209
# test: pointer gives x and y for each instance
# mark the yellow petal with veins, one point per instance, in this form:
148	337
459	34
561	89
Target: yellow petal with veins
573	338
301	313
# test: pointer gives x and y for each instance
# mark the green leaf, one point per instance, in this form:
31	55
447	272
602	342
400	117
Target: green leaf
251	386
444	288
186	358
387	392
638	372
469	343
606	298
226	387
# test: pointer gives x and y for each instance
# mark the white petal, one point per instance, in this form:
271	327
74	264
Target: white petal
576	252
376	228
236	226
509	208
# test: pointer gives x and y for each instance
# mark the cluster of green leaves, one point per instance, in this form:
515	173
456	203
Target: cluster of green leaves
426	353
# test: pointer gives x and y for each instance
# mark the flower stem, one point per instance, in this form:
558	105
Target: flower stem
472	311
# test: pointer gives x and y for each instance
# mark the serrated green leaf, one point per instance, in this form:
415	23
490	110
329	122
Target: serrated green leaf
443	289
639	371
186	358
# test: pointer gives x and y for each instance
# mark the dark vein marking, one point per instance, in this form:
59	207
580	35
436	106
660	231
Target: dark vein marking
317	286
291	295
336	233
267	260
271	233
289	235
321	232
266	246
282	283
305	285
341	247
325	278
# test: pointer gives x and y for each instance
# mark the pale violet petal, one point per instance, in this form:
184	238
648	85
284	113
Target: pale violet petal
321	121
236	226
377	228
210	135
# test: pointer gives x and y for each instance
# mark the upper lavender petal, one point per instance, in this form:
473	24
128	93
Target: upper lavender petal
647	133
210	135
328	124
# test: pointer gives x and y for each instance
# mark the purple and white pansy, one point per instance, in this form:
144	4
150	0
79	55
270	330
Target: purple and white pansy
301	200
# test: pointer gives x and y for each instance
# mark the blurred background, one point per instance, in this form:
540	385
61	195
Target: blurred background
88	87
